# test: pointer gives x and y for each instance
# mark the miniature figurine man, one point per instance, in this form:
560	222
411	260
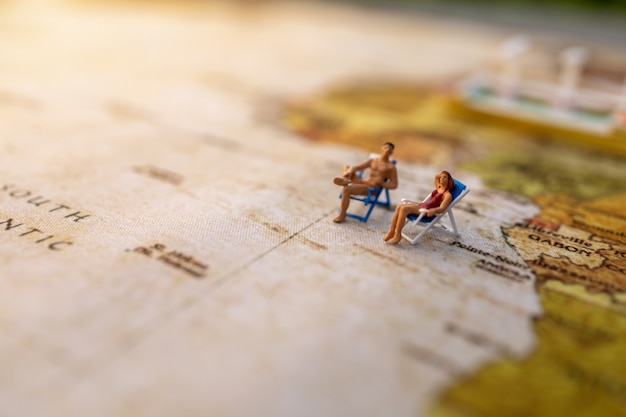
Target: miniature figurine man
437	203
382	174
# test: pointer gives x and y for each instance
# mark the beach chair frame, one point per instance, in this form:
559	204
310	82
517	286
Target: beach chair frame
459	191
377	196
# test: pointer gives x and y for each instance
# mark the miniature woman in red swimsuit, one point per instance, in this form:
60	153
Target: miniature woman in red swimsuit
437	203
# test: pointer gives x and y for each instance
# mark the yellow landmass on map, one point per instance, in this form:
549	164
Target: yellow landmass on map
615	302
602	216
577	250
571	245
570	256
574	241
576	370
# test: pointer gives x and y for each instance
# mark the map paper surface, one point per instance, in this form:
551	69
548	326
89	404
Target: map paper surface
167	244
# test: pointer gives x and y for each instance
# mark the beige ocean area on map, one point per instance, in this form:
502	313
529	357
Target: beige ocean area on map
166	233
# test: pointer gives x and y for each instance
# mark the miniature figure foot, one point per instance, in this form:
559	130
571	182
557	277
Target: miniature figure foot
389	235
339	218
341	181
396	239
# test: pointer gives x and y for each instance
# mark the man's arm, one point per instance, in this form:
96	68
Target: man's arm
392	182
360	167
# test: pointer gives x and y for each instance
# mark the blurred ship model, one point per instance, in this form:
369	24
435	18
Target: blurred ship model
570	101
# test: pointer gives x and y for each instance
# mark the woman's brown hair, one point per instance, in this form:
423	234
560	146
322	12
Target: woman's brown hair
450	180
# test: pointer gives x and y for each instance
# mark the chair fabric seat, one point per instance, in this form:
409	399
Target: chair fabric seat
424	219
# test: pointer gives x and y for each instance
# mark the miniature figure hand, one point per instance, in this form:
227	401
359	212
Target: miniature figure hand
431	212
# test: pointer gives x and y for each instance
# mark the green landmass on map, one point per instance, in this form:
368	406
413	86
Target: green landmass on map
576	246
531	174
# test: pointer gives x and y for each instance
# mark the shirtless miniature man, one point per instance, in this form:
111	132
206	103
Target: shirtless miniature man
382	174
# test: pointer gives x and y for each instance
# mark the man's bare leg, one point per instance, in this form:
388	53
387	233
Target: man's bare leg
343	208
347	177
341	181
349	190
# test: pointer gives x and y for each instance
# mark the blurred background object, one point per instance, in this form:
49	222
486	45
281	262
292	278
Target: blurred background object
598	20
602	20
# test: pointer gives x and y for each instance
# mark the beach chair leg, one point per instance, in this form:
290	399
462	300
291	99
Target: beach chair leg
414	240
387	201
422	233
369	211
453	222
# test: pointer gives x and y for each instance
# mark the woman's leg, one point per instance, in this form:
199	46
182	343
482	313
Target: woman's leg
392	225
404	211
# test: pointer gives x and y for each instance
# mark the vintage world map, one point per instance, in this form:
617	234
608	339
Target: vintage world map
166	234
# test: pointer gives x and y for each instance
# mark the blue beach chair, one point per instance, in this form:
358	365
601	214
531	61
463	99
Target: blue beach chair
373	197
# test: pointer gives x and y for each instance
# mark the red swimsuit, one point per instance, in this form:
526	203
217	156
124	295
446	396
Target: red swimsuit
433	201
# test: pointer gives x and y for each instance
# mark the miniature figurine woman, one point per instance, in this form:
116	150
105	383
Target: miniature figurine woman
437	202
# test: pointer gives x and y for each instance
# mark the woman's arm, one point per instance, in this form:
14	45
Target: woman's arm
445	202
